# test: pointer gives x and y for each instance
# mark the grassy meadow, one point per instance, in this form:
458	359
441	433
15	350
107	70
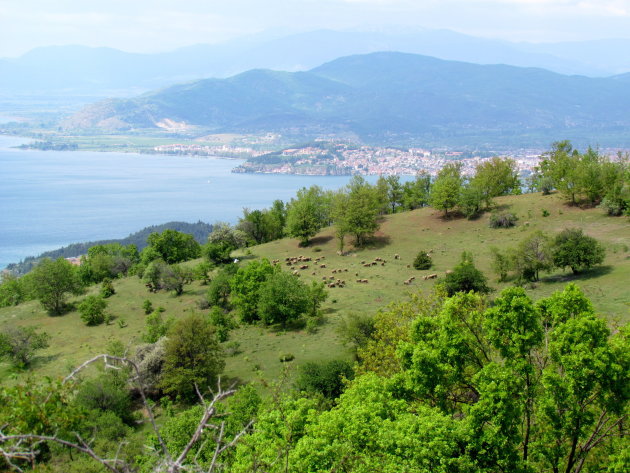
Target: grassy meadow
608	286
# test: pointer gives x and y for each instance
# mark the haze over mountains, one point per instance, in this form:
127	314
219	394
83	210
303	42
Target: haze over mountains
388	97
110	72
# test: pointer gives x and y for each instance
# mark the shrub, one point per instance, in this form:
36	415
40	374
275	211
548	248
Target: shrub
286	357
324	378
422	261
92	310
107	288
503	220
465	277
545	213
20	343
147	306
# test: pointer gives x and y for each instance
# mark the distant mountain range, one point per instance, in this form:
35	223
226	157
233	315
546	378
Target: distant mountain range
388	97
104	72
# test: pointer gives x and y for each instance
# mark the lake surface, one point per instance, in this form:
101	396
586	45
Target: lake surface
50	199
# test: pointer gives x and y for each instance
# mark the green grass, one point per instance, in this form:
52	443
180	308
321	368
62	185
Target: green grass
404	234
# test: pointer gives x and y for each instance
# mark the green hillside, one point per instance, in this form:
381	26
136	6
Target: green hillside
404	234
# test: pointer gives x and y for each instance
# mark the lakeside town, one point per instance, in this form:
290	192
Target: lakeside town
329	158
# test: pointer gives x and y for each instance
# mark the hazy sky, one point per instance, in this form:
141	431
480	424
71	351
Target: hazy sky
160	25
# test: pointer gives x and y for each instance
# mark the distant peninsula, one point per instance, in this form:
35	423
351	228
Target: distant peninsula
199	230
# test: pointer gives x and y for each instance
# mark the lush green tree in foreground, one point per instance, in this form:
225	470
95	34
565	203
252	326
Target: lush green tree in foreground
52	281
577	251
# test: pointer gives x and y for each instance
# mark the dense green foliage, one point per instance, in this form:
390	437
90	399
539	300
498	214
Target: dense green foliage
92	310
19	344
465	277
193	358
588	177
577	251
282	298
171	246
307	214
422	260
52	281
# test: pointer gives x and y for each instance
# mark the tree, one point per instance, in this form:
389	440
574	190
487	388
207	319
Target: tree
152	274
13	291
471	200
560	164
325	378
446	189
416	193
282	298
533	254
395	192
156	326
496	177
92	310
306	214
245	288
173	246
107	261
52	281
465	277
577	251
19	344
356	210
174	277
193	357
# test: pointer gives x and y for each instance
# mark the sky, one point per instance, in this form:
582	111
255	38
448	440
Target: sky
164	25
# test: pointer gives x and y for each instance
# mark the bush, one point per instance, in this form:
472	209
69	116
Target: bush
422	261
545	213
577	251
147	306
107	288
465	277
503	220
92	310
324	378
20	343
286	357
106	393
222	322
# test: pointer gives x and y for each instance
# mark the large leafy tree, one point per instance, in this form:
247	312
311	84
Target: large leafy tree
447	187
496	177
245	288
193	357
282	298
172	246
52	281
577	251
307	214
356	210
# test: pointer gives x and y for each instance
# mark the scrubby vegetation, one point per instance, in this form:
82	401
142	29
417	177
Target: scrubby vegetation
341	363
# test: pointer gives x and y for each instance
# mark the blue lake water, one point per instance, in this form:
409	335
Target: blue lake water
49	199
